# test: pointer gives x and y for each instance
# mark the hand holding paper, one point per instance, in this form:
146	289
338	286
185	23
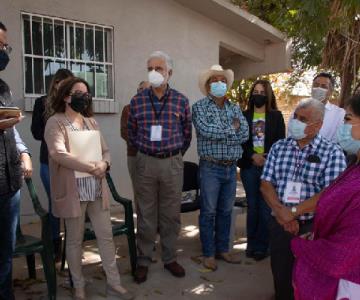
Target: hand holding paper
99	169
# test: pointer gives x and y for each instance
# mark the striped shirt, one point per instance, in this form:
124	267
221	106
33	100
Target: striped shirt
216	136
287	162
172	112
89	188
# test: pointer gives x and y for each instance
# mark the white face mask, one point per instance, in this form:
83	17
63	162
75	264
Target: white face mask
156	79
319	93
297	129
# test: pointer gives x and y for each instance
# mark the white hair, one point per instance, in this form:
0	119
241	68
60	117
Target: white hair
164	56
317	106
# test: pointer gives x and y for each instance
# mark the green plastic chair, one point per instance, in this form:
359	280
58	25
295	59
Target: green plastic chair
118	228
27	245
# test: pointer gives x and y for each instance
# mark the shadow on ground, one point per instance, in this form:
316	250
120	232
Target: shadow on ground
249	280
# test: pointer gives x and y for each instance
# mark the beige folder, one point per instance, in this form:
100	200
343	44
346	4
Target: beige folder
87	146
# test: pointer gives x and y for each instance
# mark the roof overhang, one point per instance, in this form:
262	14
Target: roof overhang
264	49
237	19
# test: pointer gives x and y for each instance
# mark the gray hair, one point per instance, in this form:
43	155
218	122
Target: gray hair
164	56
317	106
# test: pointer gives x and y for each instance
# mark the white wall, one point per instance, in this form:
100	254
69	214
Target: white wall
140	27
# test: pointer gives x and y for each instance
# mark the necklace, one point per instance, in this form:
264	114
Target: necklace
73	127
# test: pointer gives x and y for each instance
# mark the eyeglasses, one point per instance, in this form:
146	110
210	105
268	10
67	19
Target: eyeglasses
5	47
86	96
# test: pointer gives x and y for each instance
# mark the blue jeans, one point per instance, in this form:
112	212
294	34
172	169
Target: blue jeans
9	216
217	196
258	213
54	221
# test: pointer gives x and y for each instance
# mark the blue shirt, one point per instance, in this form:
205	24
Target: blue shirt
315	166
216	136
20	145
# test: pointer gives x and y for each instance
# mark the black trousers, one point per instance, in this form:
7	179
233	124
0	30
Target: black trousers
282	259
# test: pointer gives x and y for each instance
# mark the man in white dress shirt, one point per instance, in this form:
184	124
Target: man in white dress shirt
322	89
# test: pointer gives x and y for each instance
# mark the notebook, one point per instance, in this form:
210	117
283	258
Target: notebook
9	112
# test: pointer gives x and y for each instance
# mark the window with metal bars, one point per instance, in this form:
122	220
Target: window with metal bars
50	43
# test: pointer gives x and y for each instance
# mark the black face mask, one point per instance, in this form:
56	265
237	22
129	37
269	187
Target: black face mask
80	102
259	100
4	60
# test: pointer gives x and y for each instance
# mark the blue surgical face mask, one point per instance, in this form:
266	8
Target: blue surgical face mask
319	93
218	89
345	139
297	129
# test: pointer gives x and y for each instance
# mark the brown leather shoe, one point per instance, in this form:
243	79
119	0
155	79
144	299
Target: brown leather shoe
175	269
230	258
210	263
141	274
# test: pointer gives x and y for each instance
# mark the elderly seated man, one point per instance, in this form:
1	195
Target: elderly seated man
298	168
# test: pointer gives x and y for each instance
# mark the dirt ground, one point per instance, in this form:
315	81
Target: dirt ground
249	280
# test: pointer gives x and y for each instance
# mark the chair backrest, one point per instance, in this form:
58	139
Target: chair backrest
190	176
46	235
36	205
190	200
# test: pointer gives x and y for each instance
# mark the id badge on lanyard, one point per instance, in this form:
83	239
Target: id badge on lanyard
156	130
292	192
156	133
293	188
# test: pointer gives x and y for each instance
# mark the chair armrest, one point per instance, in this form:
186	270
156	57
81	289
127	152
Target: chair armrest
123	201
129	221
40	211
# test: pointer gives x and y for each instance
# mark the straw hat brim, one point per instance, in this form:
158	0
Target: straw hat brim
204	77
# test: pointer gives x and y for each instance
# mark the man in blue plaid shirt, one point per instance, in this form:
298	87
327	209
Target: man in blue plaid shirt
297	169
221	129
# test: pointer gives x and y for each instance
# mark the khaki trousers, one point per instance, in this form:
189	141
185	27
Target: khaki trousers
158	199
131	164
100	221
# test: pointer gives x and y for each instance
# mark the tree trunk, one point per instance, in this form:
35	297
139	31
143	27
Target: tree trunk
347	77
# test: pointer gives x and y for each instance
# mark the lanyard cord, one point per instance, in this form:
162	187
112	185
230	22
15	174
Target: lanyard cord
297	165
158	113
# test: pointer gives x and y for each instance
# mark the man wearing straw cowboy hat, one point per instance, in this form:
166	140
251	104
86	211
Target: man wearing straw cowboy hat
221	129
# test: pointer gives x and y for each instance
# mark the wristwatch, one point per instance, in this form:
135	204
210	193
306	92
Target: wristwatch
294	210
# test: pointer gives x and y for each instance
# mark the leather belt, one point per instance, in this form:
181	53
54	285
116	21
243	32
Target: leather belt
225	163
161	155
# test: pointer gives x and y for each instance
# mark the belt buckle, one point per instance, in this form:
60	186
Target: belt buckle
227	163
160	155
222	162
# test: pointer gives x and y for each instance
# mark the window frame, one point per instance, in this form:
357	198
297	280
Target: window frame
66	24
